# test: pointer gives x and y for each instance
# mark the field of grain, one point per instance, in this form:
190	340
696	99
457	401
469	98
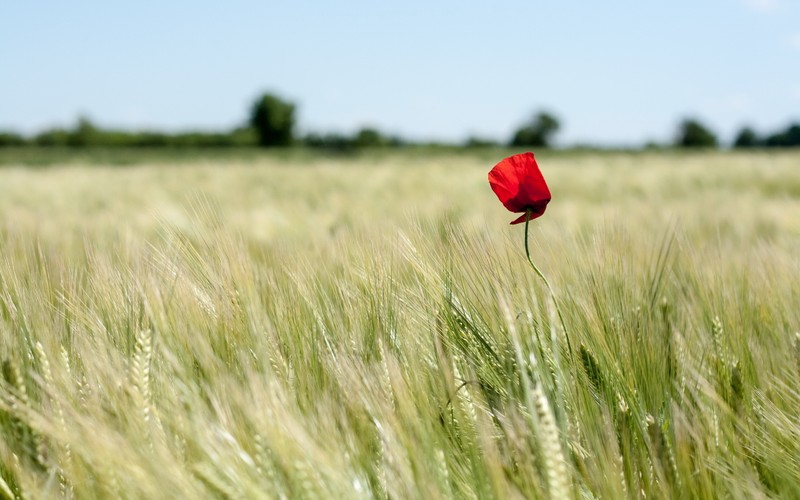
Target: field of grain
369	327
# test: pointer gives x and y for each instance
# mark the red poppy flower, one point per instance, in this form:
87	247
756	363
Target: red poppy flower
519	184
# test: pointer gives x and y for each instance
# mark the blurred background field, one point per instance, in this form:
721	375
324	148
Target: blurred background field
305	196
299	325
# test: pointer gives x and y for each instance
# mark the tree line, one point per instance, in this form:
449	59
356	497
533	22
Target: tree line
272	123
692	133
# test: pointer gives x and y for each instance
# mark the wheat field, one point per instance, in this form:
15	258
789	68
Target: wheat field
369	327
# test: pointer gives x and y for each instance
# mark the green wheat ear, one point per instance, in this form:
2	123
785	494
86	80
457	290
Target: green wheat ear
558	478
737	387
140	370
593	370
49	390
29	443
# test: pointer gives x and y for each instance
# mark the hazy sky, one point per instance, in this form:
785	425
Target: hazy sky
615	72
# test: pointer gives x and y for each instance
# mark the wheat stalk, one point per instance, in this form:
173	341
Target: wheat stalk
558	478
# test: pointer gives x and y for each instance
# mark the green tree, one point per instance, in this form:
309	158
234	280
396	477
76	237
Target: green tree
84	134
369	137
274	120
52	137
746	138
539	131
11	139
693	134
786	139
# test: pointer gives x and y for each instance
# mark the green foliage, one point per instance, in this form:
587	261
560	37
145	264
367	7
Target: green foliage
788	138
785	139
84	134
369	137
746	138
330	142
272	123
538	132
273	118
243	137
480	142
693	134
87	135
53	137
11	139
365	138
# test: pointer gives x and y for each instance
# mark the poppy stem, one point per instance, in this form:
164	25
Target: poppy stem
546	282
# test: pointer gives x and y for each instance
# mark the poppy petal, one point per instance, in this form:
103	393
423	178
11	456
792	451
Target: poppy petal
536	212
520	220
520	185
505	184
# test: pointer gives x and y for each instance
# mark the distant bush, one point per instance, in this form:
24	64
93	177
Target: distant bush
125	139
654	145
53	137
365	138
244	137
693	134
785	139
480	142
746	138
369	138
331	142
538	132
273	119
84	134
11	139
237	138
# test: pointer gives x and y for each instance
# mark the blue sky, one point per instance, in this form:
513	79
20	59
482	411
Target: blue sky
615	72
